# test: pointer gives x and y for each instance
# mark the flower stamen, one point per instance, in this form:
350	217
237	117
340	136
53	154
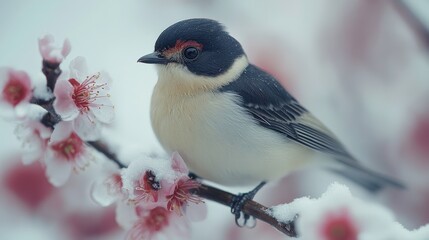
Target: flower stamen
148	186
70	148
85	94
182	194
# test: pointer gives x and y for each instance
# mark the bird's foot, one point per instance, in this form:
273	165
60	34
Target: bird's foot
237	206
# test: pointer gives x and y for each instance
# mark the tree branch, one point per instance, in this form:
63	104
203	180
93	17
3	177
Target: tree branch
102	148
52	71
251	208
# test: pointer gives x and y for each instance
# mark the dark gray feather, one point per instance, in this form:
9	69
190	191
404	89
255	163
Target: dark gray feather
275	109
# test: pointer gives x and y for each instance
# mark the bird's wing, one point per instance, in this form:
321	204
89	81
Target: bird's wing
274	108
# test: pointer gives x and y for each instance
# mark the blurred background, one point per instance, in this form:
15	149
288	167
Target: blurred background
362	67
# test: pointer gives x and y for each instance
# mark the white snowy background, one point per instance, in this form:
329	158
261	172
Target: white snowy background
361	66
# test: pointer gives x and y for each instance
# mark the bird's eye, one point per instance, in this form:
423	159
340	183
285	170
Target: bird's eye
191	53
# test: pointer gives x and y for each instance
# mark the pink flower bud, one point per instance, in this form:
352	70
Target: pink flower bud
50	52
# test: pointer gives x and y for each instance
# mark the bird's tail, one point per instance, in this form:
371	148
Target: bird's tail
368	179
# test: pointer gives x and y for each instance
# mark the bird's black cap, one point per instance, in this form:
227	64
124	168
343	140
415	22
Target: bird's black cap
217	49
197	29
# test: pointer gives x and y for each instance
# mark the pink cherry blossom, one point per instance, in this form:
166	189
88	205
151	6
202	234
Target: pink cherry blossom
84	98
148	187
156	223
34	136
160	182
181	194
52	53
108	189
15	91
66	152
151	180
148	180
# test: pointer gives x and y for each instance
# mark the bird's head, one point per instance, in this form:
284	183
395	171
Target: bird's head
197	53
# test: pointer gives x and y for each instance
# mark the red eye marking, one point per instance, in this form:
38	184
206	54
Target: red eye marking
180	45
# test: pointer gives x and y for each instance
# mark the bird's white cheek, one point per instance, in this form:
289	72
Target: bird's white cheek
177	77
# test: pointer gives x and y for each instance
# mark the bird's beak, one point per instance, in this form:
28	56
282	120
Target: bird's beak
153	58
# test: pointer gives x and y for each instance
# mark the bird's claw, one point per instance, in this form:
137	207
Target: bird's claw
245	221
236	209
193	176
237	206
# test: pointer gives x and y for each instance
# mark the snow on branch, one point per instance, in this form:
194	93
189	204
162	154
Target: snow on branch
339	215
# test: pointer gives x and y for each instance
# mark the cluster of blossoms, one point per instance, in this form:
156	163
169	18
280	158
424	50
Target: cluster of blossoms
54	123
153	197
337	215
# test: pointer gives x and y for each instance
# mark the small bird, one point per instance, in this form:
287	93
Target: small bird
232	122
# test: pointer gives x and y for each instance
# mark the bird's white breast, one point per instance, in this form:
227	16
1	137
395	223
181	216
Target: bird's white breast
217	139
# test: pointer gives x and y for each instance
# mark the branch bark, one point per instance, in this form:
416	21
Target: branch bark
102	148
52	71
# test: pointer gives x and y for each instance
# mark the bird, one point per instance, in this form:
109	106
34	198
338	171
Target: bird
232	122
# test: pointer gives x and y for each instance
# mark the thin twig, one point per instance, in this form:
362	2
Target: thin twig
102	148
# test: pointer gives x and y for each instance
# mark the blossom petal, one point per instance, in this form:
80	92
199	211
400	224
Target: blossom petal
44	132
126	215
22	109
87	129
78	69
64	104
33	149
31	155
178	164
196	212
101	193
62	131
45	46
52	53
7	111
104	112
105	78
57	170
66	48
